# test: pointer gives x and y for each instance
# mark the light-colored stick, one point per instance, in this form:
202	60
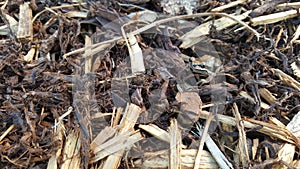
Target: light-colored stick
215	151
273	18
25	29
242	143
262	127
6	132
202	141
175	145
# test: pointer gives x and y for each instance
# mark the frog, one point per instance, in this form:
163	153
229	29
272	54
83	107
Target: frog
205	65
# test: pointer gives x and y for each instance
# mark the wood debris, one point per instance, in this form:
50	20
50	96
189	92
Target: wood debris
25	30
149	84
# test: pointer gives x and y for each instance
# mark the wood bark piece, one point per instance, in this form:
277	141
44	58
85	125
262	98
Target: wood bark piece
191	105
25	30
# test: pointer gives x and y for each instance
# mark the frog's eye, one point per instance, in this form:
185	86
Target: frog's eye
192	59
201	65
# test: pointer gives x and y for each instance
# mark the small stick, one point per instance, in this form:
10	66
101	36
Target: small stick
6	132
202	140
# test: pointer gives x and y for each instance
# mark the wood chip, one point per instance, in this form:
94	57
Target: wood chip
71	152
215	151
267	95
136	55
126	125
288	80
25	30
273	18
263	127
156	132
160	159
103	136
242	143
175	145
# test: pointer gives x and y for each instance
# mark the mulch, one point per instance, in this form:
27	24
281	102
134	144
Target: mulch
149	84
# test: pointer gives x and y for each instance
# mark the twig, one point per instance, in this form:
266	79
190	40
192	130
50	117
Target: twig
202	140
6	132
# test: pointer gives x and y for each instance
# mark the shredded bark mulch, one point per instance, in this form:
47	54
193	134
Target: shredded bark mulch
149	84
